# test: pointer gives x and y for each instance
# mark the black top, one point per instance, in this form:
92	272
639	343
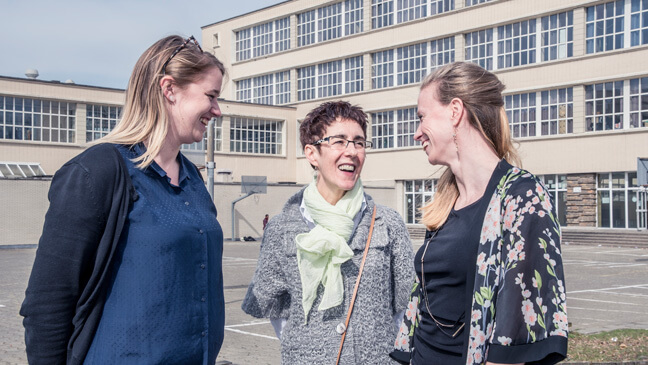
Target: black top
447	264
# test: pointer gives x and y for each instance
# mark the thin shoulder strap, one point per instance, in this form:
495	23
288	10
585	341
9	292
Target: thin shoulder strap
357	284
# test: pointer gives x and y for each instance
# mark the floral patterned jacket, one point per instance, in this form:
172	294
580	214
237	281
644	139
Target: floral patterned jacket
518	310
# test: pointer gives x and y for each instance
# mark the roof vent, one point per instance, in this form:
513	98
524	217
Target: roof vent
69	81
31	73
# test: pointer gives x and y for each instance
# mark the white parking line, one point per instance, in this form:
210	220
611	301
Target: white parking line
232	329
605	310
642	286
230	258
569	299
251	334
247	324
603	264
598	319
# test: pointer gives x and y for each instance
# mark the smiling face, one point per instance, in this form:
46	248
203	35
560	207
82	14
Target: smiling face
338	170
193	106
436	128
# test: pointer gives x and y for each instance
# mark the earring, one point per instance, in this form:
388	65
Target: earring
454	137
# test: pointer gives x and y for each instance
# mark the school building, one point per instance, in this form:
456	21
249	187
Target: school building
576	98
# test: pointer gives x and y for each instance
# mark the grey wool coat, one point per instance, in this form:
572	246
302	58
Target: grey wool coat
275	290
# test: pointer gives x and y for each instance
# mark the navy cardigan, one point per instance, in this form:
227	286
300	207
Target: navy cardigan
89	201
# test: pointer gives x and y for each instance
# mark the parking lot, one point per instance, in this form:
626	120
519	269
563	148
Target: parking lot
607	288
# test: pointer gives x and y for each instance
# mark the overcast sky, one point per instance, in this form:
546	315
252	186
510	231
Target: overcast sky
97	42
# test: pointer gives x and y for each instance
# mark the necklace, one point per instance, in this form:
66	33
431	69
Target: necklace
439	324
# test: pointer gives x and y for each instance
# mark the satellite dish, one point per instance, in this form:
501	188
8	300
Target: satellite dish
31	73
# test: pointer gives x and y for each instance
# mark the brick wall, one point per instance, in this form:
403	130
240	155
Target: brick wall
581	206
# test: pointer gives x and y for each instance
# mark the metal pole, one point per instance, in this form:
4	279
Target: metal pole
234	203
210	158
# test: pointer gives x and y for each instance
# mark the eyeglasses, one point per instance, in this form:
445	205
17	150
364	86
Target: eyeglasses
341	143
180	48
439	324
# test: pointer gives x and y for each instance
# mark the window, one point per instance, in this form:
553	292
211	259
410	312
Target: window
410	10
282	34
271	89
216	40
616	196
604	106
387	132
406	124
639	102
442	52
256	136
353	17
263	39
604	27
475	2
20	169
202	145
262	89
557	111
557	186
353	75
638	22
382	69
382	129
521	113
557	36
411	64
516	44
306	28
441	6
306	83
418	193
382	13
243	45
479	48
327	79
100	120
244	90
24	119
329	23
282	87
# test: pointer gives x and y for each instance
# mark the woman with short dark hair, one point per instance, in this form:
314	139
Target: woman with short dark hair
312	253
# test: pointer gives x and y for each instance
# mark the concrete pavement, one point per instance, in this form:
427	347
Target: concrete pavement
607	288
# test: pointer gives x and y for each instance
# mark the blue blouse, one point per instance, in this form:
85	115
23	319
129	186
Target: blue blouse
165	300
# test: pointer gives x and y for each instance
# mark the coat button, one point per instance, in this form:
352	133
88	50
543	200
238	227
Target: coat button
341	328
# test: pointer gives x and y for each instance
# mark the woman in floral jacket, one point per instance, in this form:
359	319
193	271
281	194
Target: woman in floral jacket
490	285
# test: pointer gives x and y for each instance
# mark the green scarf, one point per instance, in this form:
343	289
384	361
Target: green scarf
321	251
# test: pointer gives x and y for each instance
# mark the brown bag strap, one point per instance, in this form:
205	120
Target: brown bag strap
357	284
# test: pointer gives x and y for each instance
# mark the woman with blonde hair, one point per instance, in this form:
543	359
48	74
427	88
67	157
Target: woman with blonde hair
490	285
128	268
